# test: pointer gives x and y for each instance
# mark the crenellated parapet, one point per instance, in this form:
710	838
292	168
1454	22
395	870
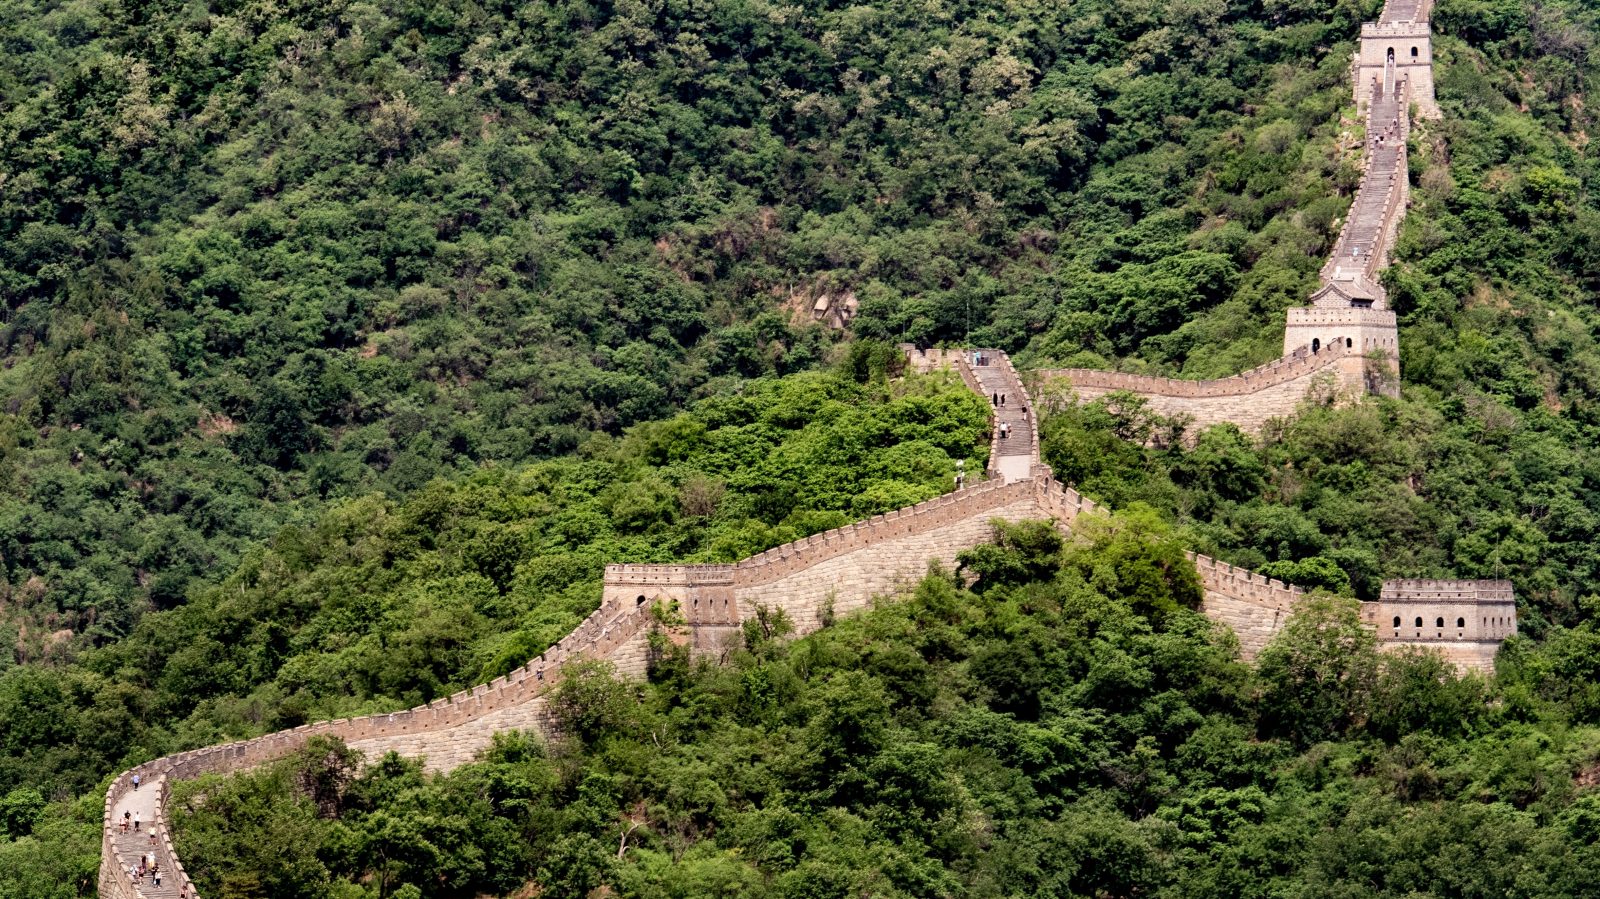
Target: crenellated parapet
1246	585
1291	367
1337	369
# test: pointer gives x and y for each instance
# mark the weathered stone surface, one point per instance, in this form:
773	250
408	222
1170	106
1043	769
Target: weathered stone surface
1253	623
1476	656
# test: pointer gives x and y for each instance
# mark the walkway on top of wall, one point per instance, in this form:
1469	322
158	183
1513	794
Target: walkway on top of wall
1013	456
1363	248
132	845
1404	11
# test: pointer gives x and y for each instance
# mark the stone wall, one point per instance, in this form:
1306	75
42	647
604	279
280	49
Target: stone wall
1011	458
1253	606
840	571
1248	400
447	731
837	572
1467	656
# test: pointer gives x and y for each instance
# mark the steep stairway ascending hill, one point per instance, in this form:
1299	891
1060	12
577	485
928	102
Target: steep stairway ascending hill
1403	11
1362	244
1012	457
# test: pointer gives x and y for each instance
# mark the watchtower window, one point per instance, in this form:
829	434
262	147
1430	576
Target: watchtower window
1413	52
1397	621
1461	622
1348	343
1316	344
639	601
1439	622
1419	621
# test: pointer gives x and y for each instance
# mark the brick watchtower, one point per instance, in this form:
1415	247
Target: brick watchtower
1392	52
1466	621
1350	315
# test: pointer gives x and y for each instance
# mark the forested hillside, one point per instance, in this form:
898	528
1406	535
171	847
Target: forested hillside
344	342
254	255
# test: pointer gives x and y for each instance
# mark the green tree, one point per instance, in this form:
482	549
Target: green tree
1317	675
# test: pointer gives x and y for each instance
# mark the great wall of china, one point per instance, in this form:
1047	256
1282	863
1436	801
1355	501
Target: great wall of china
1345	342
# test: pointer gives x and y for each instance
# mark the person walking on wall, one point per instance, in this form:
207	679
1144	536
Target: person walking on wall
136	780
135	822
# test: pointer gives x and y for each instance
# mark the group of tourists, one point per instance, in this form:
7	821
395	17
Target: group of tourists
148	867
1390	132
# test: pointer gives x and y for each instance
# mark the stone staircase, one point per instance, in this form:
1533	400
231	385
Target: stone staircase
1013	456
1364	241
1404	11
151	840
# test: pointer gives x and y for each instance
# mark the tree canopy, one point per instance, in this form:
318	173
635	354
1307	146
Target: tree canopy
1036	735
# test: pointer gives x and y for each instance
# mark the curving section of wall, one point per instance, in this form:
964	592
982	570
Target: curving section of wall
1248	400
832	573
835	572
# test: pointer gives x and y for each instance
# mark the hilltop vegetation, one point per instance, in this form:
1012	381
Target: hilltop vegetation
1060	731
384	604
256	256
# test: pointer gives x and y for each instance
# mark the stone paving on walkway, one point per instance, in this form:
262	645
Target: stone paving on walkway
1015	458
132	845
